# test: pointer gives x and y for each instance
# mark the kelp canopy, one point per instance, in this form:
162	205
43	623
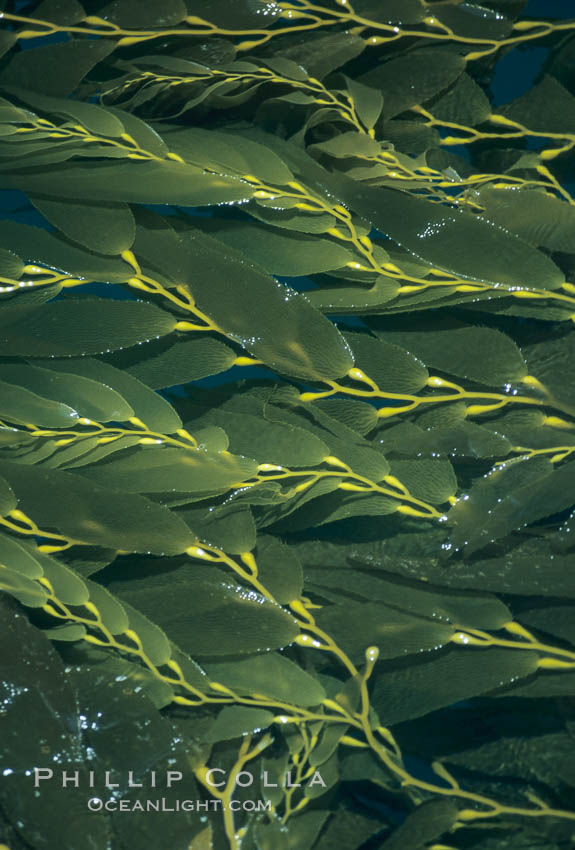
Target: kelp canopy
350	553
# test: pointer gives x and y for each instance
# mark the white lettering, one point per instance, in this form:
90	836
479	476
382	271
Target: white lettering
244	784
317	780
173	776
48	774
131	783
108	782
209	779
290	784
71	778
